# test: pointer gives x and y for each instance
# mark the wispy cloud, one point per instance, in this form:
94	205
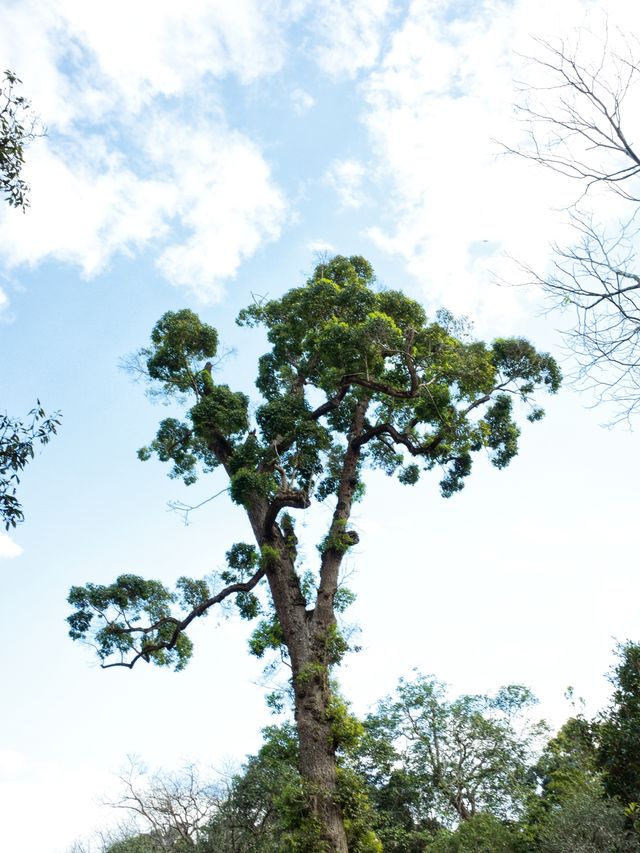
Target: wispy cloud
346	177
320	247
8	548
442	92
302	101
348	34
106	181
227	200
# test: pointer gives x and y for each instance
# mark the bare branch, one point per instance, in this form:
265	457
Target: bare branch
185	509
577	124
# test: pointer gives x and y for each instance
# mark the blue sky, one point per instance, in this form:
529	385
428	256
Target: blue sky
195	157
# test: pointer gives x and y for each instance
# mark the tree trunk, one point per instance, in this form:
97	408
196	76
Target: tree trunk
306	636
317	752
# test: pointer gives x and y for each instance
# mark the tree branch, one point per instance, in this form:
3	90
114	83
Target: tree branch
181	624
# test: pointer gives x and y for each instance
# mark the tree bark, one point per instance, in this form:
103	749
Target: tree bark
309	655
306	642
307	635
317	752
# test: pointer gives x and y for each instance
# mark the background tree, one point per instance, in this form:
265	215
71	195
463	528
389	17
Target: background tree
482	833
403	807
17	441
465	756
568	762
17	438
587	775
252	817
355	377
172	809
18	127
580	122
618	729
559	804
587	822
138	843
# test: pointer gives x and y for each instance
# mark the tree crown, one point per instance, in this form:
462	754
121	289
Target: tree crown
356	376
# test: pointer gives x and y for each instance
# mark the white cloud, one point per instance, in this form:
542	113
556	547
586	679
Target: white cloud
100	77
227	200
442	92
86	204
346	177
302	101
210	185
320	247
121	55
348	34
8	549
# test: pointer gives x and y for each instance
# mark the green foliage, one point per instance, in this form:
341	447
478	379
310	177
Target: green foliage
314	671
357	813
266	635
192	592
339	539
247	484
588	822
484	747
173	444
118	607
483	833
502	433
242	560
568	762
336	646
346	729
268	557
221	412
248	605
343	598
517	360
336	328
263	800
409	474
136	844
618	729
17	441
17	129
179	341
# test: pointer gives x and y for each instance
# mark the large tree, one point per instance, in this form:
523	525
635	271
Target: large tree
355	377
464	756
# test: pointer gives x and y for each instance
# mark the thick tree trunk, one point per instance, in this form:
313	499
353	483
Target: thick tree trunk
317	753
306	642
307	637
